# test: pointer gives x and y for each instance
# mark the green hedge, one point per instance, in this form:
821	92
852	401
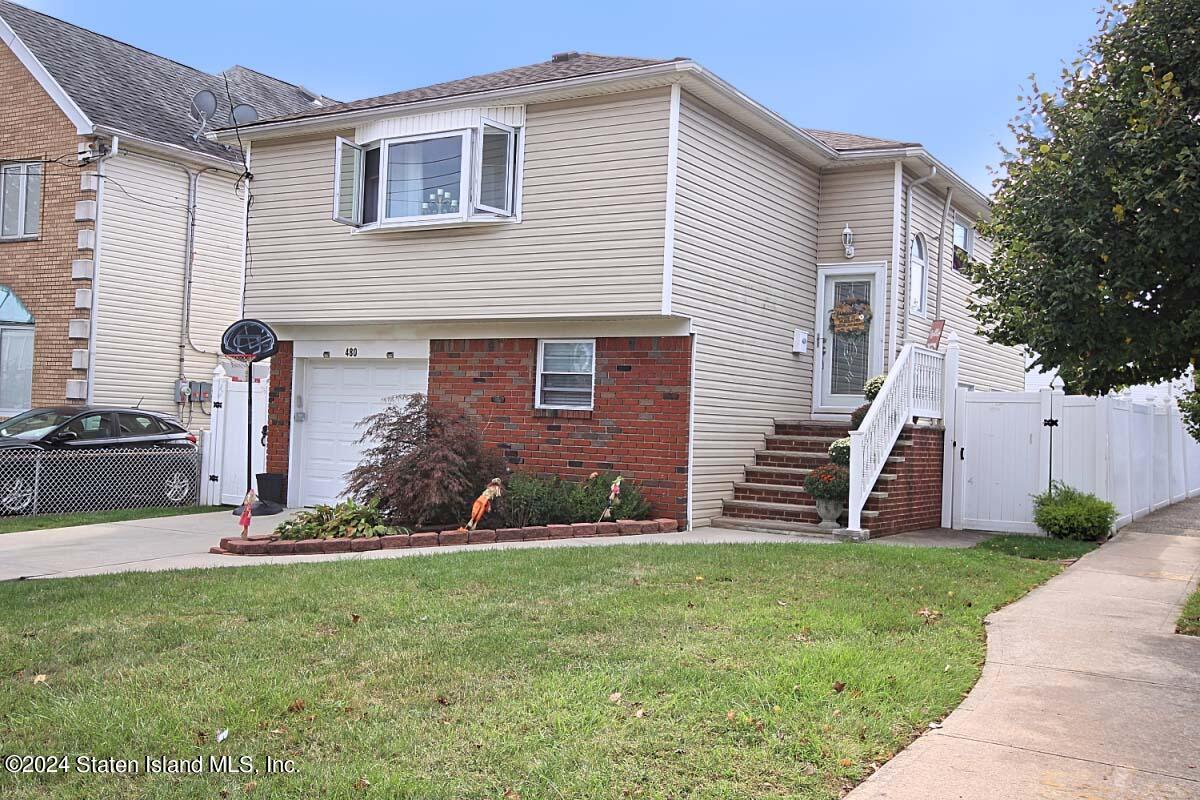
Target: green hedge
549	500
1067	513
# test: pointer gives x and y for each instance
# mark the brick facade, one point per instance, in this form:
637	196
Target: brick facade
279	411
39	271
639	425
914	499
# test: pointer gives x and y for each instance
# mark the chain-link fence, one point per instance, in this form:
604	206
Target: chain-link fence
60	481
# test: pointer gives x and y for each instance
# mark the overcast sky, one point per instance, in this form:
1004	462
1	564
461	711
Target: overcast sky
945	73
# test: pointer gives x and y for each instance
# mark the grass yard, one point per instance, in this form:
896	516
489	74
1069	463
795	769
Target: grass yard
1189	620
44	521
1038	547
719	671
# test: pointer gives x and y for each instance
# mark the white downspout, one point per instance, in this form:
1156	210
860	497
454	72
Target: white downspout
907	238
937	304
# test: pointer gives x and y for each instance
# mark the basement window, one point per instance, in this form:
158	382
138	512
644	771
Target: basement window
449	177
566	373
20	200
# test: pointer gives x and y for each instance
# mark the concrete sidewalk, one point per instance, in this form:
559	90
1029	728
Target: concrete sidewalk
1086	693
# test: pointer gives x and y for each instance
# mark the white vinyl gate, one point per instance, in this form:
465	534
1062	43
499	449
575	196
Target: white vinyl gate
224	476
1137	455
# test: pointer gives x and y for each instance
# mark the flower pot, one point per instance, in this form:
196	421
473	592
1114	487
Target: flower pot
830	511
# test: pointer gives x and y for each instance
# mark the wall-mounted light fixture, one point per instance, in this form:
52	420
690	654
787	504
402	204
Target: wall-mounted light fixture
848	241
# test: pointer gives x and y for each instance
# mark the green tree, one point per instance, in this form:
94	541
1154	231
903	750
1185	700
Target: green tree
1096	222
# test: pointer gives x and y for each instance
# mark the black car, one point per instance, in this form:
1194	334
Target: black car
74	458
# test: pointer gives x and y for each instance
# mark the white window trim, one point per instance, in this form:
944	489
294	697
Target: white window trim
356	204
12	412
537	391
464	181
959	219
921	310
477	170
23	192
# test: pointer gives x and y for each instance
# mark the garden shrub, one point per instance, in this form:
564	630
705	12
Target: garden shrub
549	500
857	415
1067	513
423	464
873	386
828	482
344	520
839	452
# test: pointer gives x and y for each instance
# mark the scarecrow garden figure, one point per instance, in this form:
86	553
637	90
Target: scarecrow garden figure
614	498
483	503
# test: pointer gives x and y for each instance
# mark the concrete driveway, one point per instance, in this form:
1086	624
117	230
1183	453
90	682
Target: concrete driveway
1086	693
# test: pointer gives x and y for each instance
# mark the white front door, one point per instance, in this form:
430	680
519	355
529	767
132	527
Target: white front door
846	356
337	394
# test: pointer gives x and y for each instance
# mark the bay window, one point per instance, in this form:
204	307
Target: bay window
566	373
20	200
442	177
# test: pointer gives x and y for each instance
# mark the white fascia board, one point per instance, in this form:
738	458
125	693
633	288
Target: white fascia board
83	125
977	199
170	152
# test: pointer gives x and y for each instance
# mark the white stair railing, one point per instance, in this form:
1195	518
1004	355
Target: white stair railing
916	386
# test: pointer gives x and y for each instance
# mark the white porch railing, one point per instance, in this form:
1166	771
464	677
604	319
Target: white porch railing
920	383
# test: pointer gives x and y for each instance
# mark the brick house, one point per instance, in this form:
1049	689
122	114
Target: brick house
109	295
614	263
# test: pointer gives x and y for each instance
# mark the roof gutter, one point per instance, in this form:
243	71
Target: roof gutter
173	152
670	72
974	196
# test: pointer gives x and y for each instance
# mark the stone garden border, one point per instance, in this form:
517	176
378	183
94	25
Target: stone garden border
274	546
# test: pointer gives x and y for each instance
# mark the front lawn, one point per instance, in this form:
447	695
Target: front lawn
1189	620
1039	547
719	671
45	521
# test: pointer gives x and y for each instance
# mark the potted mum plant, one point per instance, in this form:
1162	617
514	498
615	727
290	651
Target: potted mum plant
829	486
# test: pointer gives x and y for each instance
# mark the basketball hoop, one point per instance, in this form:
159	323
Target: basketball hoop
248	341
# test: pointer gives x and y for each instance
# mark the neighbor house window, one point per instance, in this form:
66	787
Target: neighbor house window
20	200
16	354
443	177
566	373
918	285
964	241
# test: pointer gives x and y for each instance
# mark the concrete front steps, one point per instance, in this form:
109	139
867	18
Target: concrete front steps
772	496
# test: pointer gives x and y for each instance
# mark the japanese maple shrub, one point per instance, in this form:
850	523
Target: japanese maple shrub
422	464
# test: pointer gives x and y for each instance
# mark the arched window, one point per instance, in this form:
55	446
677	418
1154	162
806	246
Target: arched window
16	354
918	288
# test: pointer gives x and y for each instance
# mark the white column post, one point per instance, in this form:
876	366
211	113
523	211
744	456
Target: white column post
857	501
949	421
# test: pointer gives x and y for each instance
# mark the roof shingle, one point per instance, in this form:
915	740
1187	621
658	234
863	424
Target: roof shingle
128	89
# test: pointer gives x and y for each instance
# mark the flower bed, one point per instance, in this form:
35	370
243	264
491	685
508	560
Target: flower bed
274	546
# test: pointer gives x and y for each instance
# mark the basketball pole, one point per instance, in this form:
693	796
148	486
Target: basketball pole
249	426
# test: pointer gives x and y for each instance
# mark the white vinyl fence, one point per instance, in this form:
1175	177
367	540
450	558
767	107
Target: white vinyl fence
224	444
1137	455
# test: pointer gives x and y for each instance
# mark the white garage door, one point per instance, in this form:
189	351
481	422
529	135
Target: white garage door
337	395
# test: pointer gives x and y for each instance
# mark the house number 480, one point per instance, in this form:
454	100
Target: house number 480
351	352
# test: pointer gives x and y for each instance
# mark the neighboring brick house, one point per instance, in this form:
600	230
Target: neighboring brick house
107	294
611	263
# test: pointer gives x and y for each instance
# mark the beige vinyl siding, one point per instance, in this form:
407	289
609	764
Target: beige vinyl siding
745	272
984	365
590	241
862	198
140	280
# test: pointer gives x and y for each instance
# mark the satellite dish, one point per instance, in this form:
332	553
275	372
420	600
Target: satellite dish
204	105
244	114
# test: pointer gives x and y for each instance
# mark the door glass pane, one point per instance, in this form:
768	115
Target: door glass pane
424	178
33	199
494	168
10	202
850	352
16	367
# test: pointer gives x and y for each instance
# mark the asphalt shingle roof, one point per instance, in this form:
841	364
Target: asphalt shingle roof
128	89
576	65
852	141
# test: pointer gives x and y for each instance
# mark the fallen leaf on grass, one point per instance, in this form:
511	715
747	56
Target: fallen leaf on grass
845	762
512	794
354	618
615	697
249	786
838	686
930	615
699	579
641	712
296	706
781	602
731	715
442	700
39	678
361	783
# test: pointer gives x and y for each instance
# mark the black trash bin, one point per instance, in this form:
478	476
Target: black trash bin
270	487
